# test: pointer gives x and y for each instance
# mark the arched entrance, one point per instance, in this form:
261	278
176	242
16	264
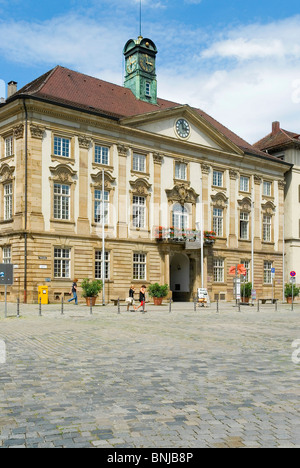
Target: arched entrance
180	277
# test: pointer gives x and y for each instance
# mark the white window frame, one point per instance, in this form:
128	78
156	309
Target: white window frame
244	184
139	162
61	201
218	214
267	228
62	262
267	188
101	155
9	146
244	225
8	201
180	171
6	254
218	178
98	264
61	146
139	266
267	272
98	206
180	217
139	211
219	270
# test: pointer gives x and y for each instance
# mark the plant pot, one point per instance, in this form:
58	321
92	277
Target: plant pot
289	300
245	299
90	300
157	300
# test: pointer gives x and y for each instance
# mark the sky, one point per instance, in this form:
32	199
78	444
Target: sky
238	60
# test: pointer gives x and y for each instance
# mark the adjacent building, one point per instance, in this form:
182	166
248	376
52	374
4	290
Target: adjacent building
285	146
179	196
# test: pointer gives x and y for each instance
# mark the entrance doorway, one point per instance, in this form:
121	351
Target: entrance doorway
180	277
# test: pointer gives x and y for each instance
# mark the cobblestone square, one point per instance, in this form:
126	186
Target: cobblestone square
183	379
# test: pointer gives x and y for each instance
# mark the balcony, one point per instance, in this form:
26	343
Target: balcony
190	237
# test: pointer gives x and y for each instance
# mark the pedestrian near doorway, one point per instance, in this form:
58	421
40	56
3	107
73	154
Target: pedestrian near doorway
74	292
142	297
130	299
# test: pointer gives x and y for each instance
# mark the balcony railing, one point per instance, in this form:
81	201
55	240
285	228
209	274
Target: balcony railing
176	235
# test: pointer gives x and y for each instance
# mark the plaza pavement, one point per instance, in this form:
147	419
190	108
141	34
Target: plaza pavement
183	379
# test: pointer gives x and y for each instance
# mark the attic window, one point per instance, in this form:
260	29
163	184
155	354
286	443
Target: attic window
148	89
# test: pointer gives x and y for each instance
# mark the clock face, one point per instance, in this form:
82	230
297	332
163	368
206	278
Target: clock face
182	128
147	63
131	64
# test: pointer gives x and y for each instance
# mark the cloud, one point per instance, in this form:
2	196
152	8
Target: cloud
2	89
245	76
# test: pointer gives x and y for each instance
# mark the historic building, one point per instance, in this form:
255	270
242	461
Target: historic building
172	175
285	146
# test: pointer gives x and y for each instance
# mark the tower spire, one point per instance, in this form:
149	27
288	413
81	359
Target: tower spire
140	18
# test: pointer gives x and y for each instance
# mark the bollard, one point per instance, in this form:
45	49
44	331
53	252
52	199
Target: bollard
257	305
40	307
91	306
195	303
170	305
275	306
217	305
62	305
239	305
143	307
18	307
118	305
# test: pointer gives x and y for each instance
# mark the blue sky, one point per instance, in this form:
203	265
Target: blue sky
237	60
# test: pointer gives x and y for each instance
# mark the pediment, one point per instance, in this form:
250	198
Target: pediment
201	132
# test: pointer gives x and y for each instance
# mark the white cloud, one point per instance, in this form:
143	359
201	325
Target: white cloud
2	89
245	77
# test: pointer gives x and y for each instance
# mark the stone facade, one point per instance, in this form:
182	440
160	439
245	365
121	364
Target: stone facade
51	165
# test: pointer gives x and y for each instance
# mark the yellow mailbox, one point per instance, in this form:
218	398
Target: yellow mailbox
43	294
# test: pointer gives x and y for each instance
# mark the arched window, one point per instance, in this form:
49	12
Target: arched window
180	216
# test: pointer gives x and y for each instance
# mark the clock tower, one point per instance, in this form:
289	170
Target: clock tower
140	74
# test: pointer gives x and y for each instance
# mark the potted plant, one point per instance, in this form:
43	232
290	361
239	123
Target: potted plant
91	290
288	292
158	292
246	289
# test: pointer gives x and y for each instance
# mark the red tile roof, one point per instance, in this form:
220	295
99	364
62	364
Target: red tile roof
71	88
276	141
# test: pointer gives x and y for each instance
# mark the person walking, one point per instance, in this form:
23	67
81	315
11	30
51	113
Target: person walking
74	292
130	300
142	297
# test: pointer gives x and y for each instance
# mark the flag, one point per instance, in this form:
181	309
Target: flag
241	270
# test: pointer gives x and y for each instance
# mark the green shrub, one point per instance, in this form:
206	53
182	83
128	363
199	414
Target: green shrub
288	290
91	288
157	290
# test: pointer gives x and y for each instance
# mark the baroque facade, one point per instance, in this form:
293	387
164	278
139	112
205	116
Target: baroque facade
170	172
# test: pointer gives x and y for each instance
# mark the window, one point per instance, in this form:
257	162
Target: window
244	225
139	266
180	217
139	162
267	188
246	264
8	146
218	221
180	171
244	184
8	201
7	254
219	270
98	206
62	263
98	264
218	178
267	272
267	220
139	211
148	89
61	146
101	155
61	201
